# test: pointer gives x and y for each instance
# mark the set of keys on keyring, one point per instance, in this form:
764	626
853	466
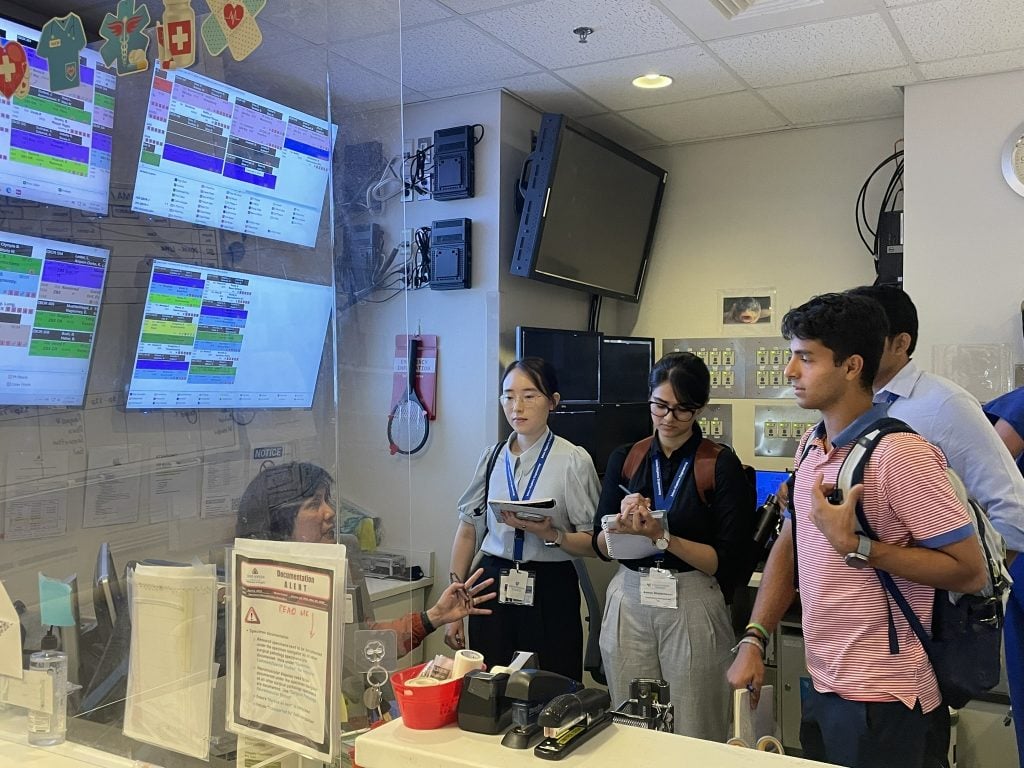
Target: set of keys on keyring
376	679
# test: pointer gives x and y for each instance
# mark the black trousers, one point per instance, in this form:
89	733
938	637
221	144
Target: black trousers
551	627
864	734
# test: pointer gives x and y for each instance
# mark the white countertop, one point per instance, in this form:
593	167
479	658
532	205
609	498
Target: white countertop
382	589
395	746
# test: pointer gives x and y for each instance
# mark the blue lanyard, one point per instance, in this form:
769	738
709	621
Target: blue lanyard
513	492
661	501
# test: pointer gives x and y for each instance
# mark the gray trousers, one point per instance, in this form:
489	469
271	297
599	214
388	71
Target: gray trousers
688	647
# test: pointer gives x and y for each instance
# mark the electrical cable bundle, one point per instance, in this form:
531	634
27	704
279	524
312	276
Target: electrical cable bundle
892	193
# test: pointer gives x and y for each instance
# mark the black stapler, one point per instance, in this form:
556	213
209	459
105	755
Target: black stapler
571	719
530	690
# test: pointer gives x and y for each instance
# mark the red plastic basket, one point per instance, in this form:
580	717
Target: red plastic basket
425	708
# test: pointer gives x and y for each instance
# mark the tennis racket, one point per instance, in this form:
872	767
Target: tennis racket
408	425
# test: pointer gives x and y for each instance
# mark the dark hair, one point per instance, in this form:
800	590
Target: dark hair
899	309
739	306
273	498
539	371
688	375
845	324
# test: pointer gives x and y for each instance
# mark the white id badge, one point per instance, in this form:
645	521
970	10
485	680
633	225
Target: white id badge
657	588
516	587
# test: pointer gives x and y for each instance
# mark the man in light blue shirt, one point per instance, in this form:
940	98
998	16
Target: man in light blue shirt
950	417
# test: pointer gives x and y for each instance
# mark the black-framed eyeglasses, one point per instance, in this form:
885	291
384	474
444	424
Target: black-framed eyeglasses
681	413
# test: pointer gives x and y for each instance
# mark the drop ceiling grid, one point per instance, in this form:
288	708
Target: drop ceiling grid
951	28
985	64
731	114
849	97
695	73
812	52
542	89
543	30
353	84
621	130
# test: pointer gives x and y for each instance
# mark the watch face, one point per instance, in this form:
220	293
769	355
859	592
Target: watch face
662	543
856	560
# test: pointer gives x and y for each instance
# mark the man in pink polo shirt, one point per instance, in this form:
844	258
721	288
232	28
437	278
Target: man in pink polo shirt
869	707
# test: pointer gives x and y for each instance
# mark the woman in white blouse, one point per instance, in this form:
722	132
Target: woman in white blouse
538	606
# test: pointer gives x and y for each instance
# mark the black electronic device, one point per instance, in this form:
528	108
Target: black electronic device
361	252
450	254
889	257
361	166
590	210
453	174
483	706
649	705
575	355
626	362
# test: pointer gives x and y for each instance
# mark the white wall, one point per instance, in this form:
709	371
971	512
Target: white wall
964	225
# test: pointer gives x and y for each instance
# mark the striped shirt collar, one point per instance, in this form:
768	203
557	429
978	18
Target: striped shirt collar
853	430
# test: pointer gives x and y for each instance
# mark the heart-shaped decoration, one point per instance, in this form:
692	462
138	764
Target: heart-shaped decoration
13	68
233	14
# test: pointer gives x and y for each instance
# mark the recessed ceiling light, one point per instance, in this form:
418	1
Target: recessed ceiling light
653	80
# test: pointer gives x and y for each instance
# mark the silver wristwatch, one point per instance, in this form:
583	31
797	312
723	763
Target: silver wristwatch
859	559
559	535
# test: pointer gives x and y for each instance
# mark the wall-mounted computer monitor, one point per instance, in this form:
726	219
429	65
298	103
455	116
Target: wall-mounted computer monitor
49	310
211	338
222	157
55	146
769	482
575	355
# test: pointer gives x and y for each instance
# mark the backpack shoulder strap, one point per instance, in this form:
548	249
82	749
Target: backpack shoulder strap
491	461
704	468
851	471
634	457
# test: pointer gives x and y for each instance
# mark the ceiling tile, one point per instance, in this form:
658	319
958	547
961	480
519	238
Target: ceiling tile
322	21
542	90
543	30
974	65
705	21
951	28
896	3
472	6
813	52
427	63
695	73
851	97
351	84
731	114
621	131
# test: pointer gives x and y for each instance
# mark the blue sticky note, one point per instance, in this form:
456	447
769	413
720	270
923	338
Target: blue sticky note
55	602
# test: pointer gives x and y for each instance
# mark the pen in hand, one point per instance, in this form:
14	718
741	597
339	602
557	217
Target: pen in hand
624	489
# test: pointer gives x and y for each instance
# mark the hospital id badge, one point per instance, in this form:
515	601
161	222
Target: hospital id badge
516	587
657	588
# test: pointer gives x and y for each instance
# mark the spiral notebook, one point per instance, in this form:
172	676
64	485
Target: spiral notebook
628	546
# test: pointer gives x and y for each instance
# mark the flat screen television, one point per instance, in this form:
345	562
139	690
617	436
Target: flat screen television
222	157
211	338
55	146
50	295
589	212
575	355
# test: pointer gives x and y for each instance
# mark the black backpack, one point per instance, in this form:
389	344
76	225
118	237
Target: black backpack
966	633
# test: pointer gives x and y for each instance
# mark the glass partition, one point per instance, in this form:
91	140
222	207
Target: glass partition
184	250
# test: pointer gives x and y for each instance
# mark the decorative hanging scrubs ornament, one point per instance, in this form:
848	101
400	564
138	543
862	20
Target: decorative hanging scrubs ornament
126	38
13	70
61	42
176	36
232	25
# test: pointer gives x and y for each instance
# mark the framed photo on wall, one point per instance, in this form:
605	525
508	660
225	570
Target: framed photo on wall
749	311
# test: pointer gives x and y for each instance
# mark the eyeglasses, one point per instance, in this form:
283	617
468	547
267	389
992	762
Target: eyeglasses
680	412
530	398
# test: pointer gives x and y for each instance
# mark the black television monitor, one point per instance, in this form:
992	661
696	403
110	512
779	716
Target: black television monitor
211	338
589	212
575	355
600	429
626	363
